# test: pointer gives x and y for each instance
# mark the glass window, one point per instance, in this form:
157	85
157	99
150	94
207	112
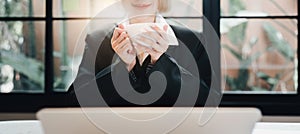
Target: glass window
259	7
194	24
185	8
260	55
22	8
91	8
68	51
22	56
260	50
79	8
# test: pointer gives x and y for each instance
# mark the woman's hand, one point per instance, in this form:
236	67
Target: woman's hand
122	46
154	42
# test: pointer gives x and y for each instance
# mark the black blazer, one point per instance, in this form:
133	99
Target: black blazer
176	65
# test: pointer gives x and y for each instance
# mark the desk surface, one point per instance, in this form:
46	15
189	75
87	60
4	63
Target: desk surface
34	127
277	128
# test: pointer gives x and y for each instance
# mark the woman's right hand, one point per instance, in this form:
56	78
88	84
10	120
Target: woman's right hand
123	47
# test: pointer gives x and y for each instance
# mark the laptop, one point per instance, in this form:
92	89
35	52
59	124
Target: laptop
149	120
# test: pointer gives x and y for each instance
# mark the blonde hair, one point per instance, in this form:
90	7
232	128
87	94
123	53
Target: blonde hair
163	5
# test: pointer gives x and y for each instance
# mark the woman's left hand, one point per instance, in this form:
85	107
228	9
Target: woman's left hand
157	42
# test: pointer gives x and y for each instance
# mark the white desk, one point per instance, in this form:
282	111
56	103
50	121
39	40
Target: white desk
277	128
34	127
21	127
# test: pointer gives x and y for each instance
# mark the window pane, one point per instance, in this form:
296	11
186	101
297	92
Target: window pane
194	24
79	8
66	58
21	57
22	8
261	55
91	8
185	8
259	7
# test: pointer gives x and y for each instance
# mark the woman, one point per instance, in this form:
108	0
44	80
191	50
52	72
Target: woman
139	61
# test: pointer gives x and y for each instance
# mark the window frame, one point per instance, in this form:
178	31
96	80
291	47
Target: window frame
269	104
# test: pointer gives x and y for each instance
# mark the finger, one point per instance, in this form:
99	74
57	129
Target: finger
166	28
160	47
121	26
126	48
123	43
160	44
157	38
157	48
160	32
121	38
132	51
117	33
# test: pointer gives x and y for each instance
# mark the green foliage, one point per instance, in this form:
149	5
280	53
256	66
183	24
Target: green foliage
236	6
237	34
271	81
235	53
31	68
14	40
13	7
279	42
243	77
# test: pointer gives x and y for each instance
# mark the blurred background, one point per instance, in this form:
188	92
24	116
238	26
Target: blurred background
259	41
